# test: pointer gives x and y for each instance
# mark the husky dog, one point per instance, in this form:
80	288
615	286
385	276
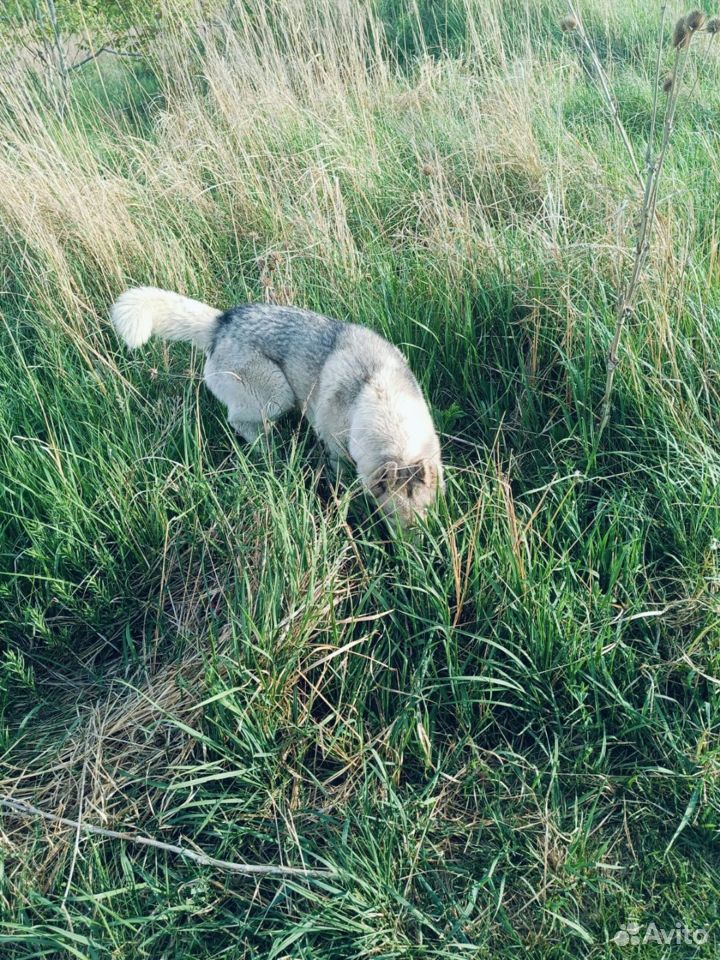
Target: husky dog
354	387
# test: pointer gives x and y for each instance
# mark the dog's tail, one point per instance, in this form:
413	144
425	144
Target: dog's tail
140	313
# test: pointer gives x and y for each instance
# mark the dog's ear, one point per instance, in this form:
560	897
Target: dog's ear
429	473
424	472
386	477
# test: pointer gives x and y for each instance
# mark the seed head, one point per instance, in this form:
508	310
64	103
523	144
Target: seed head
569	24
681	34
667	83
695	20
713	26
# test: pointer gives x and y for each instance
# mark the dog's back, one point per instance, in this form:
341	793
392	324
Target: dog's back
298	341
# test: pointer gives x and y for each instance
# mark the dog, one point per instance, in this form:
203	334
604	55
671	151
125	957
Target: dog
355	388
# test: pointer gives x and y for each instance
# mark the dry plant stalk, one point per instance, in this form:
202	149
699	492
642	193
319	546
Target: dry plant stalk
686	29
574	25
23	809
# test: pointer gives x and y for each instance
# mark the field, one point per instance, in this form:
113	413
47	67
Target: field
497	737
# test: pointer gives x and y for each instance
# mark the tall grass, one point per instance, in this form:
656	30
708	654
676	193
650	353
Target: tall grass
502	734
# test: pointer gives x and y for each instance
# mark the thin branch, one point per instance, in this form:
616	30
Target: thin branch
104	49
647	219
247	869
656	87
124	53
604	86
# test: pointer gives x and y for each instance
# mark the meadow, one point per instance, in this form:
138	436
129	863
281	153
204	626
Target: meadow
497	737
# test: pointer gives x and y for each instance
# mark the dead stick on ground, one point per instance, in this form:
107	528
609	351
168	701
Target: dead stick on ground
248	869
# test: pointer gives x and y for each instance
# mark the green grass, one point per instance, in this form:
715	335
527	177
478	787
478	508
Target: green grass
500	735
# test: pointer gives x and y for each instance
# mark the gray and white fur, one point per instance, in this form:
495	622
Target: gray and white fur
354	387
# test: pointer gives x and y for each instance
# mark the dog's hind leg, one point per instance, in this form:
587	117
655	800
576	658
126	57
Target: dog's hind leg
254	390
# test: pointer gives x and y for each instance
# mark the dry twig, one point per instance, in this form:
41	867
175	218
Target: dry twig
247	869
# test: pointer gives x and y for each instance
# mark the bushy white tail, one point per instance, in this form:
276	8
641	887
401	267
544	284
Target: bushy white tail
140	313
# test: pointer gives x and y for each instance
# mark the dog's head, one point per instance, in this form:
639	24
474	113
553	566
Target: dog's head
404	492
395	448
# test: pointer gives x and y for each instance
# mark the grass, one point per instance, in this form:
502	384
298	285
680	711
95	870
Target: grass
501	735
